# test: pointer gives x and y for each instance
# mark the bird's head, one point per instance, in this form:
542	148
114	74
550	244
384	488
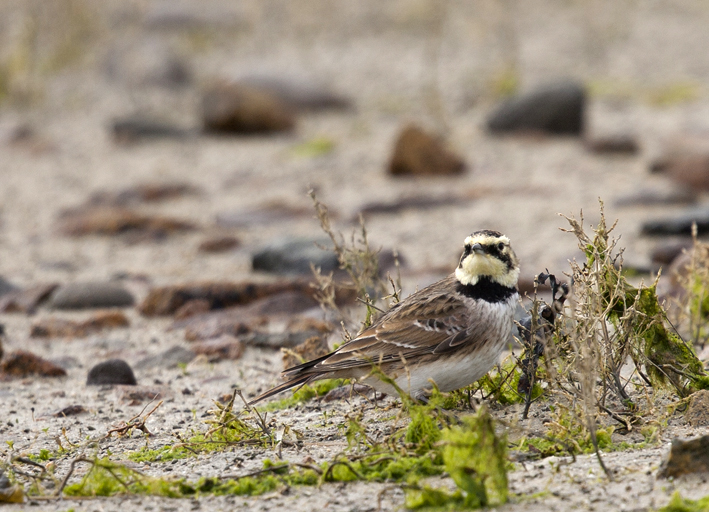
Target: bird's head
488	254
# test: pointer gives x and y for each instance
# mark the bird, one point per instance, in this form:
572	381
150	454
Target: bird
448	334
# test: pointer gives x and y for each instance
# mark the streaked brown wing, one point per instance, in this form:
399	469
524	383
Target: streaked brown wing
417	326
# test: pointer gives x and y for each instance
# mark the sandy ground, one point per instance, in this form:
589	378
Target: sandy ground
399	61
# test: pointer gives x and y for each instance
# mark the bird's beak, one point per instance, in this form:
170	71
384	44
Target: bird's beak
477	249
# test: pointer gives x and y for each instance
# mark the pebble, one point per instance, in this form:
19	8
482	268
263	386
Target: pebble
685	457
697	413
6	286
22	364
417	153
290	255
113	221
557	108
71	410
166	300
130	130
145	193
58	327
113	371
299	93
88	295
26	300
218	244
690	169
618	144
235	108
680	224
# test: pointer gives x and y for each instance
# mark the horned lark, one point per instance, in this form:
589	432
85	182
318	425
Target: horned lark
449	333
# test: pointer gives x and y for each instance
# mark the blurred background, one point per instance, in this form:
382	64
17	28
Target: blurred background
177	140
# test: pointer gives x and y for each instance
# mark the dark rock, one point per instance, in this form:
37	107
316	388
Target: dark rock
654	197
218	244
22	364
57	327
237	108
168	299
667	252
690	169
170	358
144	193
26	300
415	202
295	256
420	154
99	220
685	457
616	144
6	286
298	93
91	295
310	349
72	410
224	347
113	371
266	214
680	224
130	130
245	322
556	109
698	411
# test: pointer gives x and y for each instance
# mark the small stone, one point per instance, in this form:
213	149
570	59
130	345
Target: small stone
555	109
26	300
295	256
170	358
242	109
113	371
224	347
698	411
72	410
615	144
666	253
87	295
21	364
218	244
112	221
310	349
131	130
680	224
168	299
57	327
6	286
419	154
145	193
685	457
690	169
299	93
415	202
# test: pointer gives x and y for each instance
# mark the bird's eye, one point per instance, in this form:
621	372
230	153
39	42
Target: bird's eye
500	246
